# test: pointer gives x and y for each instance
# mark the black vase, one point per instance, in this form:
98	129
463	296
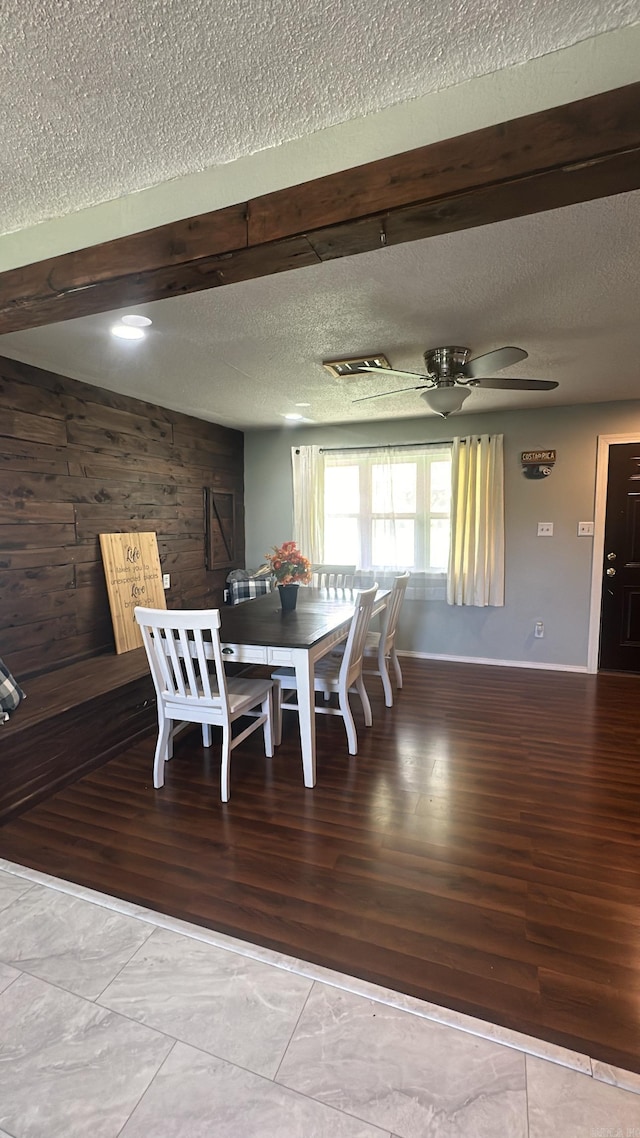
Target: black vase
288	597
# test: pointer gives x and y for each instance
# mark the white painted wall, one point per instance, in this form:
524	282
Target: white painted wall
547	579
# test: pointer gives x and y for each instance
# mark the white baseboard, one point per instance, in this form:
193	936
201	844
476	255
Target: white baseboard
496	663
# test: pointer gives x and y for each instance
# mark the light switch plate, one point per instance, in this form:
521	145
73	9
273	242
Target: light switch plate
166	580
585	529
545	529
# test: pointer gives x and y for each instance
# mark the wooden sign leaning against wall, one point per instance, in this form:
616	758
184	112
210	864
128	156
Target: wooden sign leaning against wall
134	577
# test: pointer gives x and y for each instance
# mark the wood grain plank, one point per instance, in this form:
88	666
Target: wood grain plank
57	640
30	582
25	511
119	420
25	397
38	428
35	535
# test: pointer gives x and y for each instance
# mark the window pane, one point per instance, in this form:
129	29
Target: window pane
341	541
393	543
439	547
440	486
365	492
394	488
342	491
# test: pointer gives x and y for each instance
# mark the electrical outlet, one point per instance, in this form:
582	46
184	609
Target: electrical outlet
166	580
545	529
585	529
538	631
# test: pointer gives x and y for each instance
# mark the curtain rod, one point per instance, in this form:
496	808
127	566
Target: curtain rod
387	446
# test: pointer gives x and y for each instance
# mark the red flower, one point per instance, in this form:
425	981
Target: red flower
288	564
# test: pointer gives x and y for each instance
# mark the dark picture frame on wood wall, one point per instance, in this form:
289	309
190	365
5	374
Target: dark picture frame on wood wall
220	528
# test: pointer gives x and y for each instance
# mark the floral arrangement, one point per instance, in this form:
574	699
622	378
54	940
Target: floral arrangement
288	565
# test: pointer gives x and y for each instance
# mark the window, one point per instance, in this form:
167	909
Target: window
388	508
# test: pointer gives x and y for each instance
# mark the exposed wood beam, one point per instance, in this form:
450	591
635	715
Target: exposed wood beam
482	206
53	301
141	267
574	153
581	132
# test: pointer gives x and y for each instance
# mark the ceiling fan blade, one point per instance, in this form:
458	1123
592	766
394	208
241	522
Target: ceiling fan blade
385	371
516	384
493	361
381	394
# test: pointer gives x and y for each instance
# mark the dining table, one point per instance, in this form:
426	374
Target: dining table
258	631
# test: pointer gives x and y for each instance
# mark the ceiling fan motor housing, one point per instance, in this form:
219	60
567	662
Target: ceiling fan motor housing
446	364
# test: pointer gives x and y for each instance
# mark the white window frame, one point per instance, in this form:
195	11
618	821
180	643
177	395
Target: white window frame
421	455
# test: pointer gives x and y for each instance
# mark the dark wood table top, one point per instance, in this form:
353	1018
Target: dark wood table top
319	612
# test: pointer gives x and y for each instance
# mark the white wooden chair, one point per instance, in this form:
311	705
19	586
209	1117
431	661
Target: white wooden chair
380	648
332	675
332	576
383	644
187	667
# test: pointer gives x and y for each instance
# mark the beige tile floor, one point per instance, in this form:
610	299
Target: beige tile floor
117	1021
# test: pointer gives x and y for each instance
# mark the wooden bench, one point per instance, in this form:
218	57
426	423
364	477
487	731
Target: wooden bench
73	719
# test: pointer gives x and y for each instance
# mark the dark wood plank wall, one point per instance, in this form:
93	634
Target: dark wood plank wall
75	461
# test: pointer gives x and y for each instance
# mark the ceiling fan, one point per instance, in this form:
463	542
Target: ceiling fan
449	375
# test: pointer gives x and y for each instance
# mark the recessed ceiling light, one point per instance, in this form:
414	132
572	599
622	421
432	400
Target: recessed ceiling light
293	415
303	404
126	332
135	321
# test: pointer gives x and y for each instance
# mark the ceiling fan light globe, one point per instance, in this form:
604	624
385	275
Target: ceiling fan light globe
447	399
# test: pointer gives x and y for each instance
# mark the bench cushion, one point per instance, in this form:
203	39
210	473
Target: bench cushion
11	694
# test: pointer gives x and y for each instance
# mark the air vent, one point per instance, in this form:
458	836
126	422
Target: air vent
345	369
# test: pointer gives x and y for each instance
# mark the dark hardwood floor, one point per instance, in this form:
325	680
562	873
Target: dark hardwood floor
480	852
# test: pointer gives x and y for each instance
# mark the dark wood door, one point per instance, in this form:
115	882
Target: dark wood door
620	620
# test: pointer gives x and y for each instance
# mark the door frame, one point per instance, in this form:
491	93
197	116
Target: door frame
599	518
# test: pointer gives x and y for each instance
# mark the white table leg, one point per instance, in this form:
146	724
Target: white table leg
306	701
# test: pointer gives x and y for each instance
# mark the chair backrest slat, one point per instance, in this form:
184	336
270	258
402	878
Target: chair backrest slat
392	612
187	644
354	649
332	576
177	667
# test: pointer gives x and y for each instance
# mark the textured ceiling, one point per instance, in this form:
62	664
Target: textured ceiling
104	97
563	285
101	98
